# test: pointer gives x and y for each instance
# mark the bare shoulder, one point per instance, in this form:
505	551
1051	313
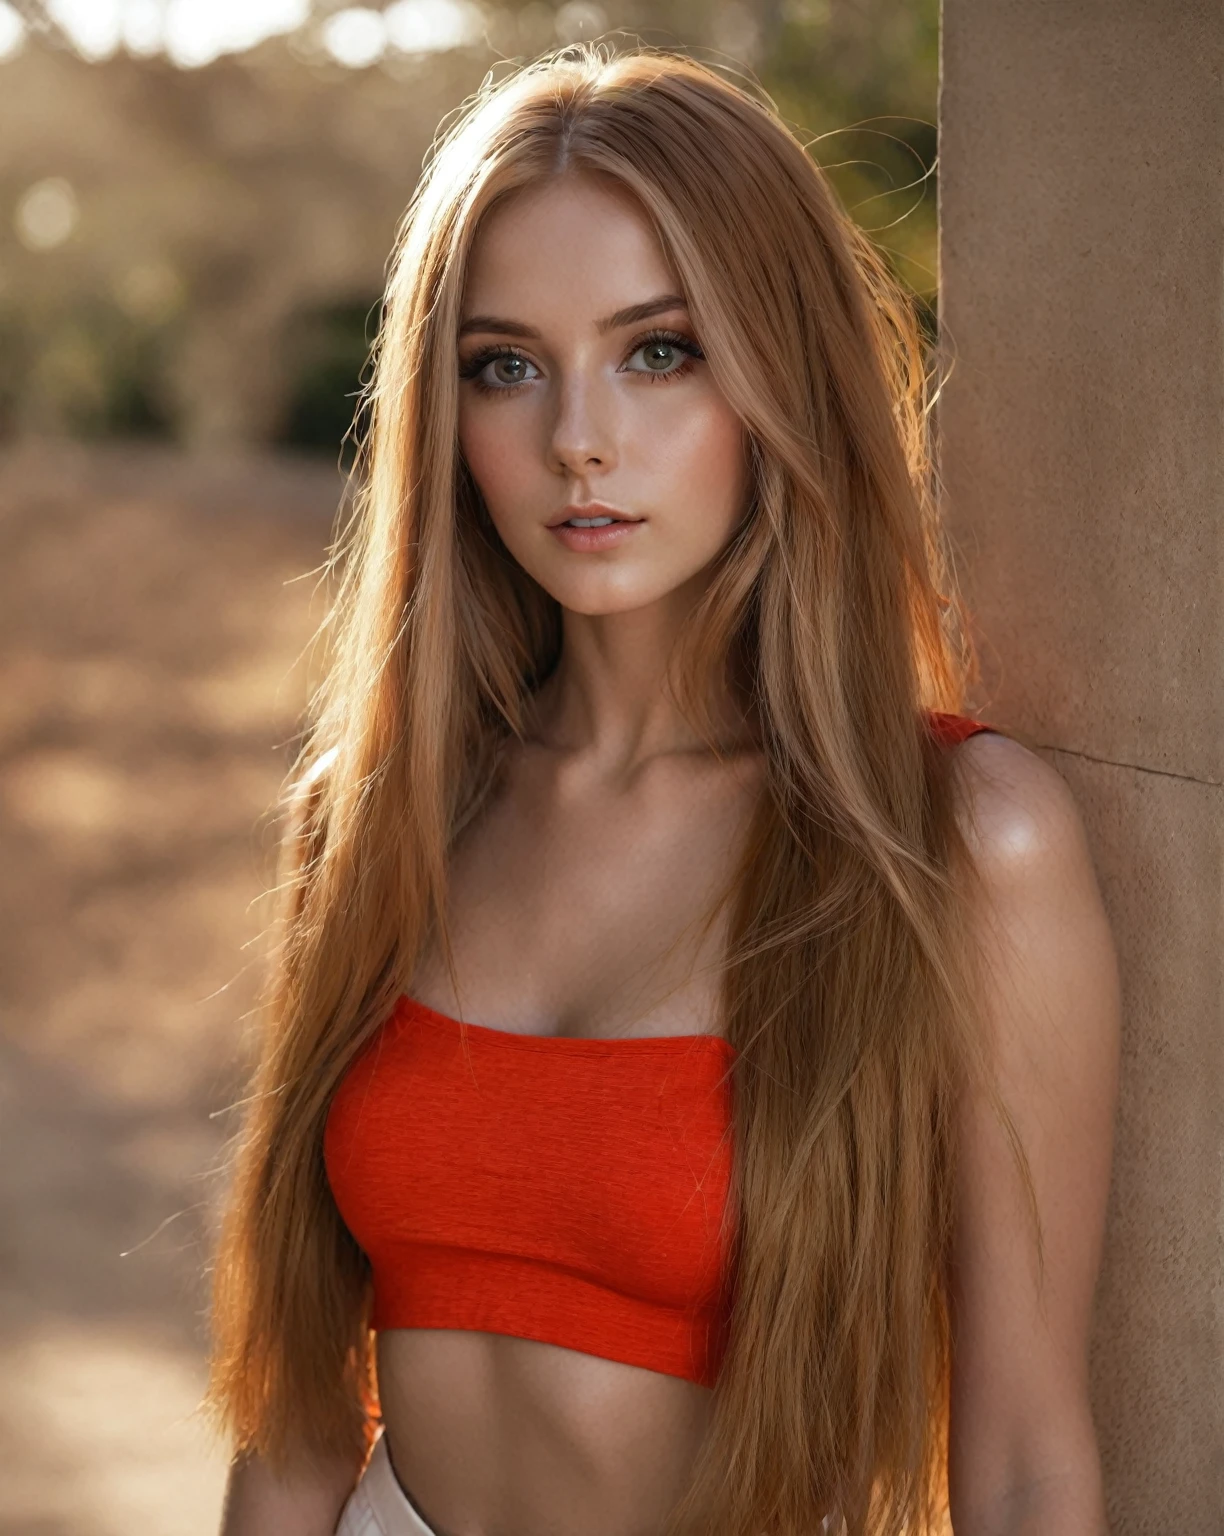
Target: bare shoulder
1018	815
1038	912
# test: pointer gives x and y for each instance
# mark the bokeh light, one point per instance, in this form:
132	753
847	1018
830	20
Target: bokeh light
580	19
47	214
12	30
432	26
355	36
191	32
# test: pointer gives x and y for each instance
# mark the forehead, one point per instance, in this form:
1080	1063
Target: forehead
571	246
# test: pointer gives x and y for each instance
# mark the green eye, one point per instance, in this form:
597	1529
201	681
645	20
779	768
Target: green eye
659	356
664	354
509	369
494	370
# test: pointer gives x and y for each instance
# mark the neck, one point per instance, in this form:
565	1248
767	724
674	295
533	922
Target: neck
608	698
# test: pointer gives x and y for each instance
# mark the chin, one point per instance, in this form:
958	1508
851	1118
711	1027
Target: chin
599	598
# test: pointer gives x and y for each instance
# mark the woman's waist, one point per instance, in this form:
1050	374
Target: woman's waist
489	1432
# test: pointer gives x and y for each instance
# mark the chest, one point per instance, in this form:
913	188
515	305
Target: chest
580	910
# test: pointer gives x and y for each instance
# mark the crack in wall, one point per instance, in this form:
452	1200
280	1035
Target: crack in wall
1110	762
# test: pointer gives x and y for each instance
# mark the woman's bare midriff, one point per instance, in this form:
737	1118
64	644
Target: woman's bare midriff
497	1436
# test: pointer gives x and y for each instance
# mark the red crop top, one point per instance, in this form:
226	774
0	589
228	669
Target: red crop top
572	1191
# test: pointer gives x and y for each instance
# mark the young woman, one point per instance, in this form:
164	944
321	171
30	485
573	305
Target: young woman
692	1053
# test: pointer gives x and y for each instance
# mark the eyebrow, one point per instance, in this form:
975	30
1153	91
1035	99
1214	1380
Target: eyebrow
498	326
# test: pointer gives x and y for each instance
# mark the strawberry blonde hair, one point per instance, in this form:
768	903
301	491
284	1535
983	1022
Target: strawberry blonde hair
848	988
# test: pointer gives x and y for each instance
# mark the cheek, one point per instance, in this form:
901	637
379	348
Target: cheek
699	450
497	442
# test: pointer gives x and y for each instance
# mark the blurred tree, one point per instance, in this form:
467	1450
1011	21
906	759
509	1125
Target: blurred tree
327	354
199	249
861	77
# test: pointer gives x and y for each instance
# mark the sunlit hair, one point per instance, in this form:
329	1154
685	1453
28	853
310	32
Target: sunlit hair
848	988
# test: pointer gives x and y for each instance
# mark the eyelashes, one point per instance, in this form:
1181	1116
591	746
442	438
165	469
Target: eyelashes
677	341
474	369
479	361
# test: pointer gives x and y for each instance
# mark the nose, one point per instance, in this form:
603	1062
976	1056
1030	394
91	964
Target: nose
583	431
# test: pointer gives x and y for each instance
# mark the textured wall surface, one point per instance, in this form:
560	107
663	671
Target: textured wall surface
1082	253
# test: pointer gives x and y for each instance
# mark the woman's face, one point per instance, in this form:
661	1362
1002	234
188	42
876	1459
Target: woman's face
584	396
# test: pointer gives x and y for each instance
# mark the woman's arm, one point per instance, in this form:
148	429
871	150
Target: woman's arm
1023	1454
305	1501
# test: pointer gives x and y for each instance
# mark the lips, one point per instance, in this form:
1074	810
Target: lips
594	528
591	514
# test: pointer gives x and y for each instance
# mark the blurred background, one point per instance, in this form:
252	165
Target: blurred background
197	198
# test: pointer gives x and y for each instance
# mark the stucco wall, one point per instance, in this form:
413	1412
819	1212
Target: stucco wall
1081	268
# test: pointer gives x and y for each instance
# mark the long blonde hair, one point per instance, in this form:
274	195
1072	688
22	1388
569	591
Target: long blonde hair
848	989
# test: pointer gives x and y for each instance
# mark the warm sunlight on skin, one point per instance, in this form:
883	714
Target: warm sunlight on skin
572	395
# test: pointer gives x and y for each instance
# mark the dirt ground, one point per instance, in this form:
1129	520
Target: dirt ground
151	631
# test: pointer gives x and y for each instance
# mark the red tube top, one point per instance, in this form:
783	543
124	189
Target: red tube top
572	1191
566	1190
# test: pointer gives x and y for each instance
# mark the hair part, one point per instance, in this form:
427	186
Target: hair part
849	987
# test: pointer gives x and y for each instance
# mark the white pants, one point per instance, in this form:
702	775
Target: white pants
378	1506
